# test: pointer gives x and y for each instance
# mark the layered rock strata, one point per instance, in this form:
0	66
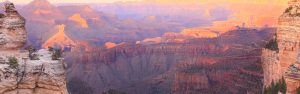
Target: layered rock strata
12	29
43	76
282	62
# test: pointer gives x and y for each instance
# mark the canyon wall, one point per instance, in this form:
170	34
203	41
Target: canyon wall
282	60
229	64
271	66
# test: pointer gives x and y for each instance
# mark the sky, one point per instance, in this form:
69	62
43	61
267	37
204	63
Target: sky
257	12
279	2
70	1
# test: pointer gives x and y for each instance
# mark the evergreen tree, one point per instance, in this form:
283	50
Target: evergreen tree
298	90
274	88
284	87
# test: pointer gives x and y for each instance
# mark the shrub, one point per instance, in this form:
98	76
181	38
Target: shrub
280	86
113	91
32	53
272	45
288	10
13	62
2	15
57	53
298	90
283	87
50	49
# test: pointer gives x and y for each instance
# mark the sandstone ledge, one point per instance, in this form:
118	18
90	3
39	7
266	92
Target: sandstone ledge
44	76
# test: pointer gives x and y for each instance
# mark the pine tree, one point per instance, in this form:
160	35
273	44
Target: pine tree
272	88
283	87
298	90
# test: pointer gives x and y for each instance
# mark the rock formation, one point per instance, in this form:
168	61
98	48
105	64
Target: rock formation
43	76
19	73
12	29
60	39
281	56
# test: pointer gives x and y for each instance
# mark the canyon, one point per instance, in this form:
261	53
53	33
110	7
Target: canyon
85	23
228	64
144	54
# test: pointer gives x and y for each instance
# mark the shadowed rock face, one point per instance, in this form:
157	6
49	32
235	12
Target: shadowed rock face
228	64
12	29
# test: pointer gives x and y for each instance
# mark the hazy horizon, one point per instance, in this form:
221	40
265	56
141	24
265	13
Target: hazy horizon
69	1
215	2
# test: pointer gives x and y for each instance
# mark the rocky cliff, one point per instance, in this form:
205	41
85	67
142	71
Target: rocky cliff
271	66
43	76
281	56
12	27
19	72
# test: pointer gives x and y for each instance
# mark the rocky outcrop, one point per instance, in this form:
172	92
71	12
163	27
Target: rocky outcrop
19	72
283	61
12	29
43	76
271	66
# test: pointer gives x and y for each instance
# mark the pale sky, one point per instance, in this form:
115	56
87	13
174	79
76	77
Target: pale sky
69	1
159	1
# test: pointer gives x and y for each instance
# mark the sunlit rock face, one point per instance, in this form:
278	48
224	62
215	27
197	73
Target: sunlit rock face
79	20
12	29
60	39
271	66
199	33
285	61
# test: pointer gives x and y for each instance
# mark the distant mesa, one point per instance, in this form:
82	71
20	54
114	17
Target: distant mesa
41	10
110	45
40	3
60	39
155	40
79	20
181	37
199	33
151	18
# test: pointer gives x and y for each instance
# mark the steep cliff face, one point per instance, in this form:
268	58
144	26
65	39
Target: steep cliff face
284	59
20	74
271	66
